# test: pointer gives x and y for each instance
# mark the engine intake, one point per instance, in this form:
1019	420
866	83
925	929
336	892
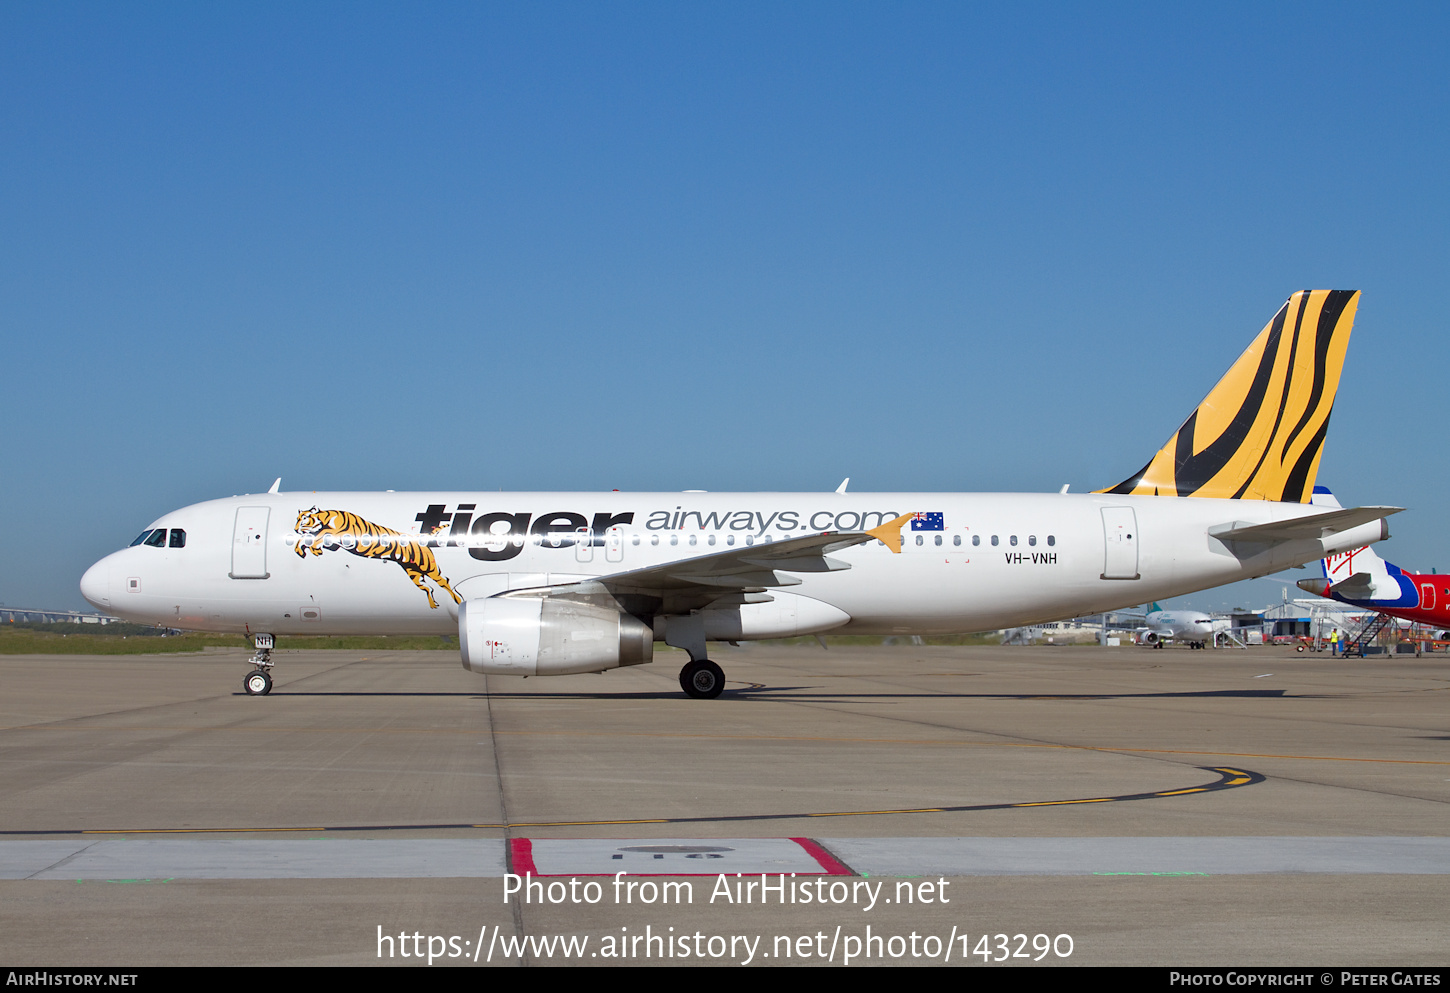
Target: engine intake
529	636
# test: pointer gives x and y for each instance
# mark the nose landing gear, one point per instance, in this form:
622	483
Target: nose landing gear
259	681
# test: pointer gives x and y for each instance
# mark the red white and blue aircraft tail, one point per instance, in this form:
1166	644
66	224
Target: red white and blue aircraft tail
1363	579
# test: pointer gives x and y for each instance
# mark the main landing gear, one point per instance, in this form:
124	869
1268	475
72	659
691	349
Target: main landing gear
259	681
700	678
703	680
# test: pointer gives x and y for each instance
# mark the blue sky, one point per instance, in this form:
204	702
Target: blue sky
719	246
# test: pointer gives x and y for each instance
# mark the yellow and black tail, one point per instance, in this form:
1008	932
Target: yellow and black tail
1259	433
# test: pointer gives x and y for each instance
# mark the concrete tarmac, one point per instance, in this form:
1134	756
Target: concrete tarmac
1110	806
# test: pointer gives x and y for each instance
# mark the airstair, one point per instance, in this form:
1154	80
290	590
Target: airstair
1354	644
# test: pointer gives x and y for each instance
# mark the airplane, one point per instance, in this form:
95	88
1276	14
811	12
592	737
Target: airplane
558	583
1193	627
1360	578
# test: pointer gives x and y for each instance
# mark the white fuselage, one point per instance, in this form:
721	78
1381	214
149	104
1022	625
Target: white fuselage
997	560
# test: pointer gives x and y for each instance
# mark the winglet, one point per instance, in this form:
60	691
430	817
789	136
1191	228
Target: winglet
889	534
1259	433
277	486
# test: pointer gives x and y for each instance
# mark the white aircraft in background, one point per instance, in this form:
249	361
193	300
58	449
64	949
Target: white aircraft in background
1191	627
555	583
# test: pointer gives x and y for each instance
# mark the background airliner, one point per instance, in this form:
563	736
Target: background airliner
1361	578
555	583
1191	627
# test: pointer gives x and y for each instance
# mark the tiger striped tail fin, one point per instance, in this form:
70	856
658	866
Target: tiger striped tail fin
1259	433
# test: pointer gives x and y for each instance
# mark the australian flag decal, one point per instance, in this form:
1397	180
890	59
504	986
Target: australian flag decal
927	522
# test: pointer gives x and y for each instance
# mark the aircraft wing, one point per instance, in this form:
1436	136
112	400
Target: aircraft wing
730	577
1314	526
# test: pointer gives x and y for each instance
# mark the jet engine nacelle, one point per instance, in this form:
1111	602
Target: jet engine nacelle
528	636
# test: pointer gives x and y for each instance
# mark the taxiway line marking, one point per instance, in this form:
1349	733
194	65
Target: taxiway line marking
1228	779
1112	749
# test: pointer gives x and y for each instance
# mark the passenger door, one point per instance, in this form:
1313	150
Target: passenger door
1120	539
249	543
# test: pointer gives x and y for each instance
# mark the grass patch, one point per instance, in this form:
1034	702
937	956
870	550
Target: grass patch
138	639
890	640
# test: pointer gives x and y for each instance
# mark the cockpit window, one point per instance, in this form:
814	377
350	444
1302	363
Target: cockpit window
140	538
157	538
178	538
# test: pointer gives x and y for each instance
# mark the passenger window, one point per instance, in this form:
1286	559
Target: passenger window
750	539
1051	540
178	538
157	538
994	541
976	539
692	539
938	540
674	539
1012	541
139	538
1032	539
729	539
654	539
710	540
957	540
918	540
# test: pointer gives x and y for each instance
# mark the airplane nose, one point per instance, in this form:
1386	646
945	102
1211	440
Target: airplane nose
96	584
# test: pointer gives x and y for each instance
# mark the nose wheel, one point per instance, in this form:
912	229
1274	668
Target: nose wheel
259	681
703	680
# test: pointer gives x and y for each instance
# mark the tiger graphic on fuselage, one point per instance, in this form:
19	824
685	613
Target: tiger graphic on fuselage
371	541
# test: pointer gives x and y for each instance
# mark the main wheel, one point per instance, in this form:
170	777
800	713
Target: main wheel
703	680
257	683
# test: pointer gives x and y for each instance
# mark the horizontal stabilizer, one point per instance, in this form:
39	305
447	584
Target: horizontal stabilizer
1313	526
1360	586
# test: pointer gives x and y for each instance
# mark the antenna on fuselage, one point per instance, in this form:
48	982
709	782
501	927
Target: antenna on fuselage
277	486
842	487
